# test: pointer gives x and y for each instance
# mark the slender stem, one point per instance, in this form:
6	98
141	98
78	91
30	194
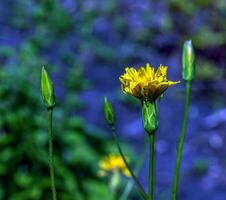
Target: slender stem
140	188
130	183
51	161
181	143
151	167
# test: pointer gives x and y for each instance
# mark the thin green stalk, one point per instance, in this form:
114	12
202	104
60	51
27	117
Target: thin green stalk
51	161
130	183
140	188
181	143
151	167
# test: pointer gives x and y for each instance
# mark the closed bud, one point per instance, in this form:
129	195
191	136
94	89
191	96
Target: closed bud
188	61
150	117
47	90
108	112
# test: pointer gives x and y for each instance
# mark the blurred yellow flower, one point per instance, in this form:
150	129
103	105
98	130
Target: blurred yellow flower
145	82
113	163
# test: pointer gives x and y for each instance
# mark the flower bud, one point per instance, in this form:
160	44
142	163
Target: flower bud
108	112
47	90
150	117
188	61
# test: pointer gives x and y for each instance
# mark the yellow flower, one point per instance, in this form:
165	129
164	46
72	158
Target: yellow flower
113	163
145	82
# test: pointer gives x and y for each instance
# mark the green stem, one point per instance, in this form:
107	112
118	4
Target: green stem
129	185
151	167
51	161
140	188
181	143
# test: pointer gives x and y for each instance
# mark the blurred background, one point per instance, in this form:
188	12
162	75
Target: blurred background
85	45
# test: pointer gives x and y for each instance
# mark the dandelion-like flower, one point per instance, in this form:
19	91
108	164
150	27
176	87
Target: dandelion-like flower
145	82
113	163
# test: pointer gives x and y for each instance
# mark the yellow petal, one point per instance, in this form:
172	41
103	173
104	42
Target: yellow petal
145	81
126	172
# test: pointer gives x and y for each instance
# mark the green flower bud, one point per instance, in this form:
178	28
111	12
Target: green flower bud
150	117
188	61
47	90
108	112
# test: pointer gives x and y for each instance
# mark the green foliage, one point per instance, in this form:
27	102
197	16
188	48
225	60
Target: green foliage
200	167
78	146
96	190
52	17
207	71
24	145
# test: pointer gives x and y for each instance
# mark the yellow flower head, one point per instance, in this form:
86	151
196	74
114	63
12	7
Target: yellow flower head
145	82
113	163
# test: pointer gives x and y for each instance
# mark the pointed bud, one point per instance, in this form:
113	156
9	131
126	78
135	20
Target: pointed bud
108	112
47	90
188	61
150	117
